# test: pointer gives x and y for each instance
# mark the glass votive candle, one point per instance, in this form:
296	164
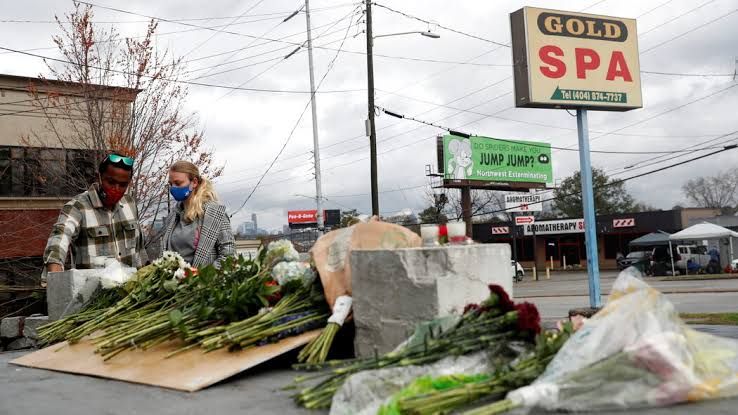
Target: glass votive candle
429	235
457	232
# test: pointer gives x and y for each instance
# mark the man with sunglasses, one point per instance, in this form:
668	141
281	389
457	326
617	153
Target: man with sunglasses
100	223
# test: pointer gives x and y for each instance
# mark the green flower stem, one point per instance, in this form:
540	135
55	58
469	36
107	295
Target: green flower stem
498	407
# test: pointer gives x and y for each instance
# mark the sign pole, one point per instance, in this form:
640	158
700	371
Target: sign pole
515	240
590	224
535	246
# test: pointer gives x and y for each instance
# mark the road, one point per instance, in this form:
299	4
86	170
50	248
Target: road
564	291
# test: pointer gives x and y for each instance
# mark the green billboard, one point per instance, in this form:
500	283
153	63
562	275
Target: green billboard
495	160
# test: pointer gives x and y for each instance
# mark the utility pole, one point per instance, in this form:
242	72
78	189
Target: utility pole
372	129
316	142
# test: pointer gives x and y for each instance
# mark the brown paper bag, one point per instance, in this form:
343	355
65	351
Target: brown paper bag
332	252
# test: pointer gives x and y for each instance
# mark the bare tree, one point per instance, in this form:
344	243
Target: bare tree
718	192
142	117
486	204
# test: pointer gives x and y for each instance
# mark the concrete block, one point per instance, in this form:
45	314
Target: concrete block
11	327
394	290
31	325
21	343
68	291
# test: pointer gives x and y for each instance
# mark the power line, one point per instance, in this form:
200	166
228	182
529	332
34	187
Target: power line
654	9
615	182
662	159
455	132
477	120
349	15
614	132
690	11
276	15
538	124
440	25
414	59
235	19
592	5
263	35
277	59
702	75
203	84
612	183
476	91
195	29
671	39
292	132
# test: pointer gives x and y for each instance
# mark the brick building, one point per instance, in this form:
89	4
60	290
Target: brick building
37	157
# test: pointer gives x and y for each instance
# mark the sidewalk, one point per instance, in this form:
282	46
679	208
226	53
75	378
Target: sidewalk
39	392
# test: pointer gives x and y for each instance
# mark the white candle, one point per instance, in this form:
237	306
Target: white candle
429	234
456	232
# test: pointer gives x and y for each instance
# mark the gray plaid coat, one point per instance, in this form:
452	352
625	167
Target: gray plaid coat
216	236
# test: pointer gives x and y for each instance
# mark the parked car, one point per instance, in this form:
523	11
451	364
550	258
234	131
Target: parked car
638	259
518	271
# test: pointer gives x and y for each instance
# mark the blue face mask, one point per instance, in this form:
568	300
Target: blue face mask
180	194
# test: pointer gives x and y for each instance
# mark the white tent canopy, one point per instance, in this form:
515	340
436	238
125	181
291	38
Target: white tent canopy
700	231
703	230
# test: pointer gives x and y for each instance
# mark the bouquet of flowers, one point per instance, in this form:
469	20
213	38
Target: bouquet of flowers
448	393
244	303
634	353
107	307
487	326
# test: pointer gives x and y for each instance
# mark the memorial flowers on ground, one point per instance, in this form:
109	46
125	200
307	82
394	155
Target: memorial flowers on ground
491	325
242	304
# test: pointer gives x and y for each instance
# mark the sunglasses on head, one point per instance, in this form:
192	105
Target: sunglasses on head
114	158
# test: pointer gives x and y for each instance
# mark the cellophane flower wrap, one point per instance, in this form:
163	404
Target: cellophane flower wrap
635	352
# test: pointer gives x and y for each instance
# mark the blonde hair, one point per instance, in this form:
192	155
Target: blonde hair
204	192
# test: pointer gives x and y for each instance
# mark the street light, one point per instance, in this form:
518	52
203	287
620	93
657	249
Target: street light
370	80
428	33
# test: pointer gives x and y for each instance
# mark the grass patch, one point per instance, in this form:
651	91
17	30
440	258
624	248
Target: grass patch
698	277
722	319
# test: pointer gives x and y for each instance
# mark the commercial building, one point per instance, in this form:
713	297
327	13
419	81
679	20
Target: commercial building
41	132
561	242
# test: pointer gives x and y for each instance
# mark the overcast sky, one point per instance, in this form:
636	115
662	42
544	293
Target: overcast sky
247	129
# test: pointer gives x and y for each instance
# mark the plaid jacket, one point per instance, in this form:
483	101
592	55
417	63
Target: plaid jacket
216	240
93	231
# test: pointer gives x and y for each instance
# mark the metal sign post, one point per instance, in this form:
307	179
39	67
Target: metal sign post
515	238
590	224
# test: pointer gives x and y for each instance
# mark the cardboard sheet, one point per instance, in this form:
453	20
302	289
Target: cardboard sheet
188	371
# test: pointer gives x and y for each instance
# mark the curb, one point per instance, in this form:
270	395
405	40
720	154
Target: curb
608	293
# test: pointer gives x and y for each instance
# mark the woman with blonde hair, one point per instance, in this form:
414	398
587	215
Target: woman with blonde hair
199	228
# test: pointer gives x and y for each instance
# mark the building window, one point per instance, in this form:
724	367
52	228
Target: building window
6	177
44	172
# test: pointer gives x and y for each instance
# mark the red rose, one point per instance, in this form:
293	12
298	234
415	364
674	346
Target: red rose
274	298
529	320
442	230
471	308
504	303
